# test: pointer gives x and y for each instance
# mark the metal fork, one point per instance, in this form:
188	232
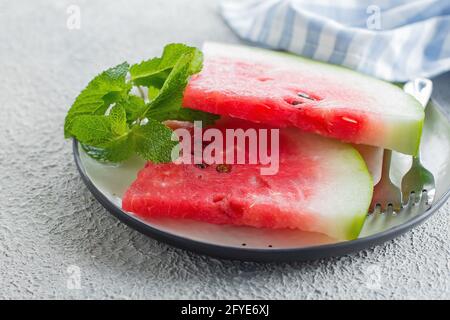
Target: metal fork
387	197
418	181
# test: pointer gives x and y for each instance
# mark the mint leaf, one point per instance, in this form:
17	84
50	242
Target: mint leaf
115	151
105	138
153	72
94	152
104	89
153	92
153	141
183	114
116	136
92	130
166	103
118	118
170	96
119	149
133	106
196	62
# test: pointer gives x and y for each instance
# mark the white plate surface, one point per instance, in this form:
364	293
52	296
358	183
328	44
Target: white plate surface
113	180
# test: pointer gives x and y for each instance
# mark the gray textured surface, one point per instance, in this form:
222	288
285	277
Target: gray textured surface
49	221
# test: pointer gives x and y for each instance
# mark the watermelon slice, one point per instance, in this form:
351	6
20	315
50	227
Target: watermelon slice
322	185
285	90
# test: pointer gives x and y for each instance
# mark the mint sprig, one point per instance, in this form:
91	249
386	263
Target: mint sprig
112	123
155	71
106	88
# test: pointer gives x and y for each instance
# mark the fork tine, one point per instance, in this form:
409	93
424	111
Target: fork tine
390	208
376	209
424	196
385	192
430	195
412	198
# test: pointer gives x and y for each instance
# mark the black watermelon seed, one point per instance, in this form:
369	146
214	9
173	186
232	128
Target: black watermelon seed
295	102
223	168
201	165
304	95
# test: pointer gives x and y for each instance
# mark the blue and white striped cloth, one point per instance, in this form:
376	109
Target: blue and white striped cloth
395	40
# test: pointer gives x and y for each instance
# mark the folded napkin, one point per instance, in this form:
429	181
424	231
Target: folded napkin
396	40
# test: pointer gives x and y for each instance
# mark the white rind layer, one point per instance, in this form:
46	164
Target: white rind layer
341	204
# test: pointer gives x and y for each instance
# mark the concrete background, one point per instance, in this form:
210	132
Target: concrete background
51	226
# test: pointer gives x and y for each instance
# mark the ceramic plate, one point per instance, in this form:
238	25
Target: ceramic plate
109	182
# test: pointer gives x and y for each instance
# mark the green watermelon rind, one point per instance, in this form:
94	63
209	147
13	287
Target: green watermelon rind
354	226
348	173
360	218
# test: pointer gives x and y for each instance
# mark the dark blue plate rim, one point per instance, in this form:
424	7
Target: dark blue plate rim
248	253
441	97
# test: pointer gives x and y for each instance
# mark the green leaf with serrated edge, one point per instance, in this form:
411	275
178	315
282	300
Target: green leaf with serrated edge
104	89
170	96
155	71
167	104
117	136
153	141
197	62
118	118
156	80
117	150
105	138
152	93
133	107
94	152
183	114
92	130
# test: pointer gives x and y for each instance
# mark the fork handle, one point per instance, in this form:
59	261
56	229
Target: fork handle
387	156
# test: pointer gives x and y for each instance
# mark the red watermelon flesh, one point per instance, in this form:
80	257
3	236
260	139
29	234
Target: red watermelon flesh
322	186
285	90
